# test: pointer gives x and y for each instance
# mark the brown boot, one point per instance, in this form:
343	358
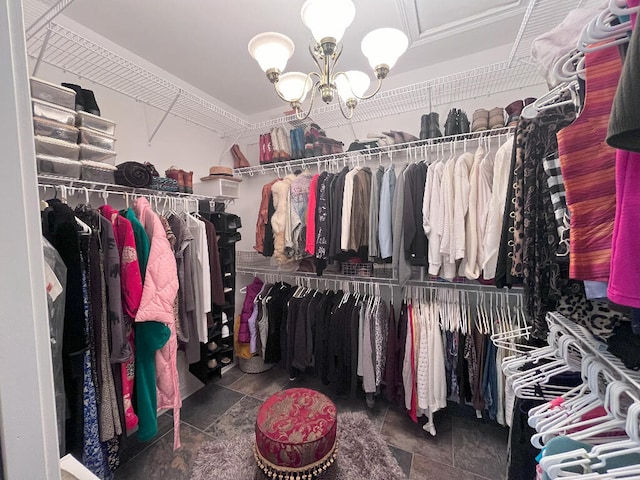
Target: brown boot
178	176
239	160
188	181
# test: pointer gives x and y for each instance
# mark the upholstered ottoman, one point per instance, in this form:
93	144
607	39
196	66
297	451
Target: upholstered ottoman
296	435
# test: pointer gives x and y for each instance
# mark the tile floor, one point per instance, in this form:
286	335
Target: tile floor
464	448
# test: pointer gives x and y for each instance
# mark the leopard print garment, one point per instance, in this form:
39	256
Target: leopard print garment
522	142
596	317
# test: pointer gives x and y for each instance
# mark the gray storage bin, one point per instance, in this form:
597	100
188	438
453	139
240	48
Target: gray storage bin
54	112
60	167
98	172
97	123
95	154
57	148
88	136
60	131
52	93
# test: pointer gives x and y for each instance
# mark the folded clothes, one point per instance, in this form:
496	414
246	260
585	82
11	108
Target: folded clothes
133	174
164	184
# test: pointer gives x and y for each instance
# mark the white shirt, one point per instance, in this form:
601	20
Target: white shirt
447	244
431	215
501	168
461	203
347	202
485	187
469	266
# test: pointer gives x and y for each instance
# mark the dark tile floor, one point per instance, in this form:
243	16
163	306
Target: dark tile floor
464	448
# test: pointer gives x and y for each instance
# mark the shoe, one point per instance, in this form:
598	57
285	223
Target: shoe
187	179
90	104
370	399
514	109
424	127
283	143
178	176
275	145
434	125
480	120
239	160
225	319
529	100
225	331
463	122
212	346
451	125
293	374
79	97
496	118
407	137
268	148
212	363
225	360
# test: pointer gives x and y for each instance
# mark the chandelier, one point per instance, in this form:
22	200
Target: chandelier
327	20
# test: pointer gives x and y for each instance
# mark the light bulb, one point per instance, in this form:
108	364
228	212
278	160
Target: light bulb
353	85
328	18
384	46
271	50
294	86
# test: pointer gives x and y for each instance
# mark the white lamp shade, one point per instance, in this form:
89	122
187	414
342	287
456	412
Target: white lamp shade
328	18
271	50
355	84
384	46
294	86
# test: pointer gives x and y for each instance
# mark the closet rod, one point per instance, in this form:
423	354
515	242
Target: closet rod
466	285
45	181
329	277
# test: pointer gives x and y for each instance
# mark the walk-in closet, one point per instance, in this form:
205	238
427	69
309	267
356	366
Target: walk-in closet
338	239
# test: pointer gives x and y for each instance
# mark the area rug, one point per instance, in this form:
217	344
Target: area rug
363	453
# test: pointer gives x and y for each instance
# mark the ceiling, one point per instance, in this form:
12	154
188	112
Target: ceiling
205	43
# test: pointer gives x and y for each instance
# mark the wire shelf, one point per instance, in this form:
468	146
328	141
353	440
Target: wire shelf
74	186
398	151
540	17
78	55
38	13
478	82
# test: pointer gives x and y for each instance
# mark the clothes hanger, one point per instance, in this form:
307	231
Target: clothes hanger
620	8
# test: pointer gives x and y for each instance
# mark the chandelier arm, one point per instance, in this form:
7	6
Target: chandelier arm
313	96
336	56
348	116
315	58
367	97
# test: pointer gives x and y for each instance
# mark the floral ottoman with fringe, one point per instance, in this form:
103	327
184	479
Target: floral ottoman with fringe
296	435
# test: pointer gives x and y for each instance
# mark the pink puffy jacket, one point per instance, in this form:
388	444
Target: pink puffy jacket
158	296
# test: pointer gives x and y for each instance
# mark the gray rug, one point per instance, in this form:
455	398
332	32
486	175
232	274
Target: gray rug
363	453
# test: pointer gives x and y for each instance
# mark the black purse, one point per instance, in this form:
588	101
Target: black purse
355	146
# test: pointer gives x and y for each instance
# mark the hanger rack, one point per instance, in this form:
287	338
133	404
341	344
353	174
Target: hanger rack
381	155
598	349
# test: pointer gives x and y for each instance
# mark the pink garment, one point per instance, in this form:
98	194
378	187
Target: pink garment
158	296
624	281
310	244
131	281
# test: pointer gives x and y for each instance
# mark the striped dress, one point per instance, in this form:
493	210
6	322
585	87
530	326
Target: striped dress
588	169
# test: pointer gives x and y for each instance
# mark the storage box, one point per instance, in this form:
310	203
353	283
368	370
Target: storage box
54	112
88	136
52	93
57	148
60	131
60	167
95	154
218	187
357	269
98	172
101	124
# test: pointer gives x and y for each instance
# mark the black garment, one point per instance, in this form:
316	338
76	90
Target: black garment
625	345
60	228
337	196
521	463
269	247
324	335
624	122
393	364
416	248
323	222
464	385
280	294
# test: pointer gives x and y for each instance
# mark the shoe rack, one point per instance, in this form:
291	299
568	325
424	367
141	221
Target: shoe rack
218	353
61	47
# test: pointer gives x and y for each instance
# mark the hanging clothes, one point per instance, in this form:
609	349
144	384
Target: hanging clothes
374	213
588	170
385	217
